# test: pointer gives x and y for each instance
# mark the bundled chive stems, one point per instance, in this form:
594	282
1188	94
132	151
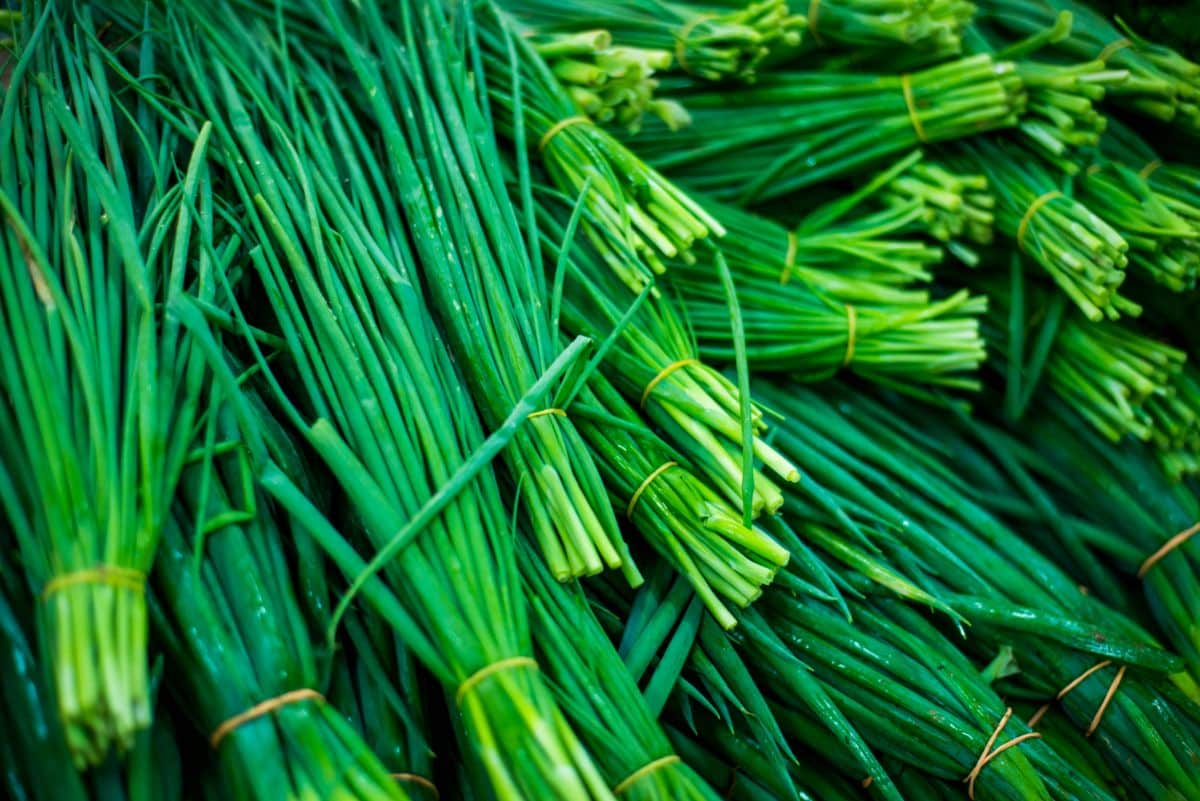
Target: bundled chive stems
625	196
793	129
632	400
106	224
712	41
931	27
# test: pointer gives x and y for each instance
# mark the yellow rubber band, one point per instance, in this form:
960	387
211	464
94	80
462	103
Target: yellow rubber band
644	771
1113	48
988	754
258	710
558	127
814	11
544	412
851	333
663	373
1168	546
1150	168
637	495
789	261
682	37
416	779
1037	716
911	103
1108	696
1093	169
1082	678
1033	209
511	663
130	579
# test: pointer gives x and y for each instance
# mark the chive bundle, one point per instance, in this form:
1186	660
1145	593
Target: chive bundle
106	223
932	27
1082	253
626	197
713	41
794	129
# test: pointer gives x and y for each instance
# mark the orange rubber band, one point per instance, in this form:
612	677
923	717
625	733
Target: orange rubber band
126	577
851	331
1168	546
421	781
663	373
637	495
1113	48
258	710
1108	696
988	754
682	37
789	261
1033	209
814	12
911	103
644	771
559	127
504	664
544	412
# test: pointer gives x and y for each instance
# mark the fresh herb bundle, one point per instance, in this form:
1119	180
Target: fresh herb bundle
710	40
1084	255
607	83
107	220
701	535
1162	83
794	129
957	209
1176	184
625	196
377	396
653	361
933	28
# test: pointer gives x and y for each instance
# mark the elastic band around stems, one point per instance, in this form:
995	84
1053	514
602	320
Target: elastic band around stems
511	663
1113	48
851	333
126	577
544	412
1168	546
421	781
559	127
1108	696
681	39
663	373
258	710
644	771
637	495
911	103
1033	209
814	11
988	754
789	261
1150	168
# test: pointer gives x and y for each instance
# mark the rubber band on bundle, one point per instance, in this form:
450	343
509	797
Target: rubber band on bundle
114	575
789	261
559	127
646	482
681	40
1150	168
814	11
851	334
988	754
1033	209
1075	682
1113	48
511	663
911	103
644	771
662	374
258	710
544	412
420	781
1168	546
